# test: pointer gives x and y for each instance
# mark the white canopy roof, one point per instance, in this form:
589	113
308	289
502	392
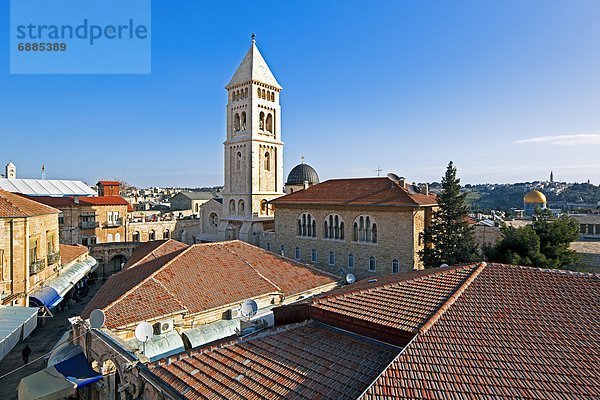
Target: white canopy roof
46	187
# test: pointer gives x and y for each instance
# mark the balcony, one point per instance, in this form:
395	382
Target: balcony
113	224
89	224
53	258
37	266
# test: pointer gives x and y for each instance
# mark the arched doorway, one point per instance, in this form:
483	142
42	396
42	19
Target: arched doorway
115	265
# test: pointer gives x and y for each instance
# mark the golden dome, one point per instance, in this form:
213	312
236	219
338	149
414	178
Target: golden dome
534	197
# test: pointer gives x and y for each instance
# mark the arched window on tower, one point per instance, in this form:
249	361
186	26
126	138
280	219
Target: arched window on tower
246	93
264	207
267	161
238	161
236	122
264	94
261	121
241	207
231	207
395	266
306	225
272	96
270	123
258	92
243	121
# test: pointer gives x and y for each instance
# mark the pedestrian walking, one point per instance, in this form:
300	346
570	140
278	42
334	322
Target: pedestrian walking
26	352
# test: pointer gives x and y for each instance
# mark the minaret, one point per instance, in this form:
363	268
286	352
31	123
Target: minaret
10	171
551	176
253	149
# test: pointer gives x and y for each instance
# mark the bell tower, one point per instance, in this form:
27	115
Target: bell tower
253	149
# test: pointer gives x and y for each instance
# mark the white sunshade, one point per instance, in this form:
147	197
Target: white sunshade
15	323
46	187
70	276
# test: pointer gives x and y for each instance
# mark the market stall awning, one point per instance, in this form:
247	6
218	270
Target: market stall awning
61	379
69	276
16	323
45	296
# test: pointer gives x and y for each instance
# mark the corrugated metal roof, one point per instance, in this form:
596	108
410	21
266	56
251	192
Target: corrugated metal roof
43	187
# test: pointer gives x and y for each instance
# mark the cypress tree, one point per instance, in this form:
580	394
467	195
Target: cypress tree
449	239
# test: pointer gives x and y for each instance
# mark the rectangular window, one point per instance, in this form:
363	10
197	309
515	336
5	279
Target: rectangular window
313	256
372	264
61	219
590	229
583	228
297	254
268	246
350	261
597	229
84	241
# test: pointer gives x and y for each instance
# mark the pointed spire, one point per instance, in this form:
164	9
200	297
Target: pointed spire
253	68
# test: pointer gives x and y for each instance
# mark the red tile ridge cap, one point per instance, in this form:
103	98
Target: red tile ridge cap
433	272
255	270
159	283
452	299
149	277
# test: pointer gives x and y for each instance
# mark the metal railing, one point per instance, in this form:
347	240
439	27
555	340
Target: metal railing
89	224
53	258
115	223
37	266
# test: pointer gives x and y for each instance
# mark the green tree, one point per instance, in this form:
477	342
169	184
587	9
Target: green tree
449	239
556	235
543	244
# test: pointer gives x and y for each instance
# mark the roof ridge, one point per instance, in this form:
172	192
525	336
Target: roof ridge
169	292
151	276
551	270
254	269
452	299
428	275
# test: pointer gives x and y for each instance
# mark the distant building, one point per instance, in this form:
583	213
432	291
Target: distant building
532	201
589	225
10	171
302	176
366	226
190	201
109	188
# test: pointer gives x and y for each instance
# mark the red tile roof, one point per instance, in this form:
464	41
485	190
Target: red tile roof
14	205
512	332
104	201
52	201
219	273
310	361
69	252
153	250
358	192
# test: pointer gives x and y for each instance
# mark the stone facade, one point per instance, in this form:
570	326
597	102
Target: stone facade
29	255
253	150
398	238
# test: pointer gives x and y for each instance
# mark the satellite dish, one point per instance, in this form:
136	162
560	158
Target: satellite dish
249	308
97	318
143	332
393	177
350	278
444	265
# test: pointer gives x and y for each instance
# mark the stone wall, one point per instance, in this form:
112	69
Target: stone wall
398	233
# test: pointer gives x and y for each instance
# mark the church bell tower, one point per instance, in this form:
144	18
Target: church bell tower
253	150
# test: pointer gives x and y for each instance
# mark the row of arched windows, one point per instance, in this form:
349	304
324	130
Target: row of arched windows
265	122
364	230
241	207
265	94
333	227
136	237
331	259
239	121
307	226
239	94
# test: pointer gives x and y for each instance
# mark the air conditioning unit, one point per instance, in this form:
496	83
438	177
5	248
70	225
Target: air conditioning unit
164	326
232	313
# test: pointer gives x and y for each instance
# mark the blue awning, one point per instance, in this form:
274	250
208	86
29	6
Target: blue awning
77	370
46	297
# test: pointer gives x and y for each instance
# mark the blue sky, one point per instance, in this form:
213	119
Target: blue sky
508	90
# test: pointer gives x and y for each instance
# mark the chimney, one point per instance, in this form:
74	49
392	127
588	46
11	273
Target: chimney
305	185
424	188
76	199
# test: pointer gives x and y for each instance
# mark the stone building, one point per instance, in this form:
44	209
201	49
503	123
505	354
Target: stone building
10	171
253	150
365	226
189	201
89	220
29	246
109	188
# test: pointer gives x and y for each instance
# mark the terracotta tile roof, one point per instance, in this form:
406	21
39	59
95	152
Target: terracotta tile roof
14	205
69	252
310	361
219	273
104	201
155	249
357	192
512	332
400	301
52	201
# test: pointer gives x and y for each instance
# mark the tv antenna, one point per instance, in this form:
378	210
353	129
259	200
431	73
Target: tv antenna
378	170
143	333
249	309
97	318
350	278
